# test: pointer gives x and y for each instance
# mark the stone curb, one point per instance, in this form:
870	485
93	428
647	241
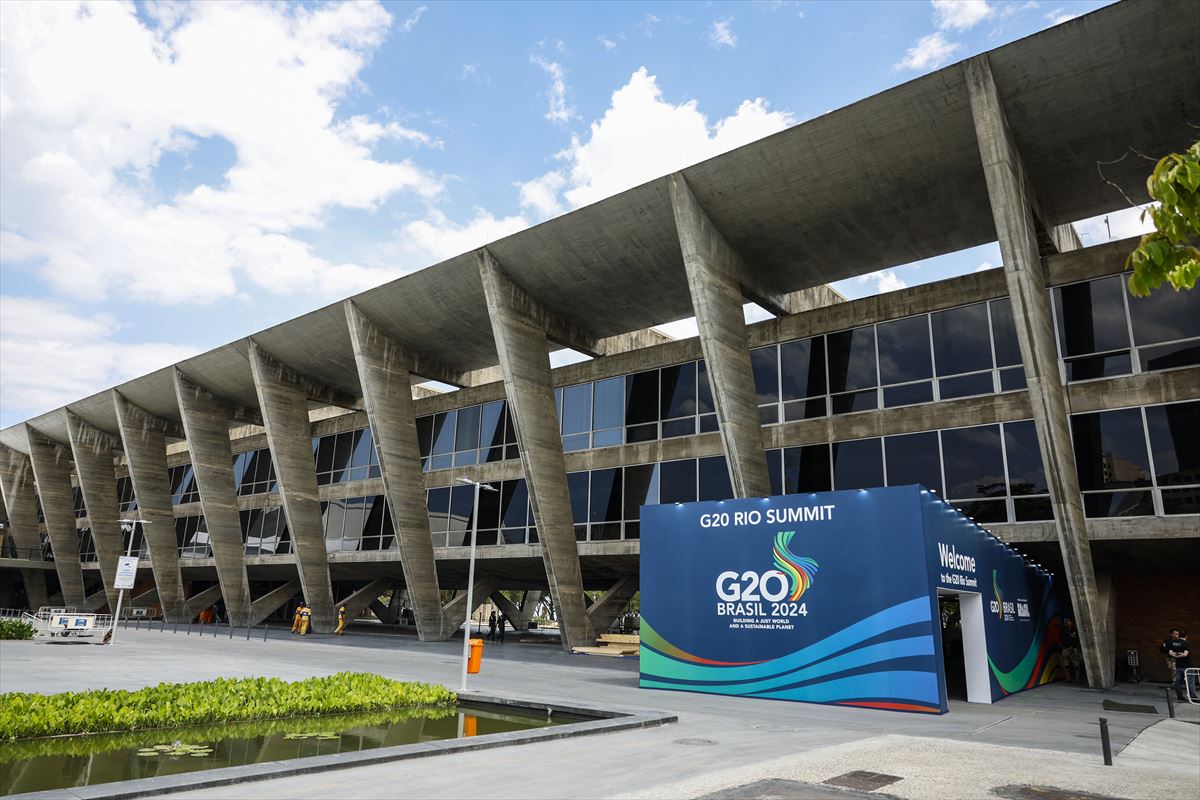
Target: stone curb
604	721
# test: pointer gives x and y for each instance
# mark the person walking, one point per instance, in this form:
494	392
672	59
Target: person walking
305	618
1072	658
341	626
1185	685
500	628
296	617
491	637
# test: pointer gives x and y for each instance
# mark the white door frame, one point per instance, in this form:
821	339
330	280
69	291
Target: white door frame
974	639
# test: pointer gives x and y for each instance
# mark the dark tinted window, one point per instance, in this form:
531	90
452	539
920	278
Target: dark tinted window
641	397
851	359
714	479
577	485
904	350
1175	442
1091	316
641	488
491	431
914	458
606	496
1004	333
973	462
1026	475
802	364
1110	449
443	432
439	509
466	436
679	391
766	373
961	342
806	469
514	503
704	399
857	464
677	481
1165	316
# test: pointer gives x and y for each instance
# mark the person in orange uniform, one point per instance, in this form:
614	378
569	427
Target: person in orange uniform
341	626
296	617
305	615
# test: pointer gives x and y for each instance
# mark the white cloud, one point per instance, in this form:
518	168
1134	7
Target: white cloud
467	71
647	24
92	102
541	194
985	266
1010	9
608	43
931	51
960	15
82	349
413	19
1059	16
640	137
885	280
560	111
437	237
1121	224
721	34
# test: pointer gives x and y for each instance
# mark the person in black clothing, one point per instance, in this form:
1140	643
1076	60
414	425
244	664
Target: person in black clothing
491	627
1072	658
500	628
1165	649
1182	652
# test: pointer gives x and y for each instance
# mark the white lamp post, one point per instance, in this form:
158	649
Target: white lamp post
127	526
471	575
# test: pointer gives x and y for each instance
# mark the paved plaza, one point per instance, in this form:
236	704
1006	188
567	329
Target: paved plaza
1047	737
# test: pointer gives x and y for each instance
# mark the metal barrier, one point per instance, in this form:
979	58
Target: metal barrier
26	553
1191	685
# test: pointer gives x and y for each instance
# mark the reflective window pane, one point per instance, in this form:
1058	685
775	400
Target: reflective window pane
802	368
1170	356
1092	367
462	506
766	373
907	395
1091	316
857	464
1032	509
851	359
1110	449
1175	442
577	485
966	385
439	509
961	339
677	481
914	458
1164	316
641	397
577	409
714	479
641	488
608	411
984	511
514	502
1004	333
1181	501
704	398
1118	504
855	401
443	432
679	391
973	462
491	426
904	350
606	503
806	469
1026	475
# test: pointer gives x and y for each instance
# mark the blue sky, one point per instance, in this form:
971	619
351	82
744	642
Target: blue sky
175	176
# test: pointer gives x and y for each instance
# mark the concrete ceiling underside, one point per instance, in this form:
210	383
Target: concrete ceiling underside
888	180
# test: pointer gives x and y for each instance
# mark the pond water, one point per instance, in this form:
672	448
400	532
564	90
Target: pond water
32	765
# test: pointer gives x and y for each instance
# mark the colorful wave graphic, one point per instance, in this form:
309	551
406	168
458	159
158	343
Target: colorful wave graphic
800	569
1041	663
999	597
880	661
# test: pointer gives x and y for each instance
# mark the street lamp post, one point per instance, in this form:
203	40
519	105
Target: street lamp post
127	526
471	575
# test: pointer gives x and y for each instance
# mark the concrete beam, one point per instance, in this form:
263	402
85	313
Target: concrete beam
1014	209
270	602
714	271
510	611
313	388
92	450
144	439
609	605
523	348
383	373
206	423
200	601
98	600
357	601
20	502
283	401
454	614
52	472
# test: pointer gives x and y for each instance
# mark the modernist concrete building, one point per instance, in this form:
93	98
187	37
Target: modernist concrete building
1039	396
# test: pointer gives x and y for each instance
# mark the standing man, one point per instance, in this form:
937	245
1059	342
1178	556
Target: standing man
1072	658
1166	648
341	626
1185	685
491	627
500	628
296	617
305	616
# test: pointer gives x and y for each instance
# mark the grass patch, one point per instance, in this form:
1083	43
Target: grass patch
15	629
171	705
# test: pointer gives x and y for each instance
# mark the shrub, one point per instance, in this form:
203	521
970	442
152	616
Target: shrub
170	705
15	629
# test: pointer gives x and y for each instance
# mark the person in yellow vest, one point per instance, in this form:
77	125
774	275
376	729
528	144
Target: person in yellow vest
296	618
341	626
305	615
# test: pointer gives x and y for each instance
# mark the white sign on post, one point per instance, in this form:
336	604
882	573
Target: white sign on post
126	572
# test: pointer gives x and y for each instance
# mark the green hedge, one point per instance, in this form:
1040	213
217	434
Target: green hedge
15	629
170	705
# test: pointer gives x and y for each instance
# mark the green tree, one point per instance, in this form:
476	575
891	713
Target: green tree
1169	252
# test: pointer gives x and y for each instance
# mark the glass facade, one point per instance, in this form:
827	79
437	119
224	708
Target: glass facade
1135	462
126	501
191	535
77	499
253	472
141	548
87	546
357	523
346	456
1103	331
183	485
472	435
265	532
505	515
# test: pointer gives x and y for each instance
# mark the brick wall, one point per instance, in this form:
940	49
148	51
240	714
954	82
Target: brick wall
1148	606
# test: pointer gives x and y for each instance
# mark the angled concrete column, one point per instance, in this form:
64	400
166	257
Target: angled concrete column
52	471
284	406
206	424
524	353
270	602
716	274
387	395
455	612
1014	210
200	601
92	450
359	599
143	437
611	603
20	500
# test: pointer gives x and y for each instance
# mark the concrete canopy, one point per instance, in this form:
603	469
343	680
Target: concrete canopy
888	180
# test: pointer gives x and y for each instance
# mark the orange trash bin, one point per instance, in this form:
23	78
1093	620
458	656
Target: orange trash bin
476	656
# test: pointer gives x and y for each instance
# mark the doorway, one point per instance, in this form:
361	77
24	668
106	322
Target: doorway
964	646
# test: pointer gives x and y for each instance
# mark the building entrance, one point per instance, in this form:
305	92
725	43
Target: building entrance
964	647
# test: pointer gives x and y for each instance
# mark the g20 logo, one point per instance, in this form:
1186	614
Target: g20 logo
746	588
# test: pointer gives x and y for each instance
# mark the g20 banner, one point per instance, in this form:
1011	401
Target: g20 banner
832	598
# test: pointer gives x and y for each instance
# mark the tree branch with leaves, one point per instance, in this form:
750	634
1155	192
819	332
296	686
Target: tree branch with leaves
1169	253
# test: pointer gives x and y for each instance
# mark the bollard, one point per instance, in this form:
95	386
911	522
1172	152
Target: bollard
266	630
248	631
189	628
1170	702
1104	743
174	628
230	630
